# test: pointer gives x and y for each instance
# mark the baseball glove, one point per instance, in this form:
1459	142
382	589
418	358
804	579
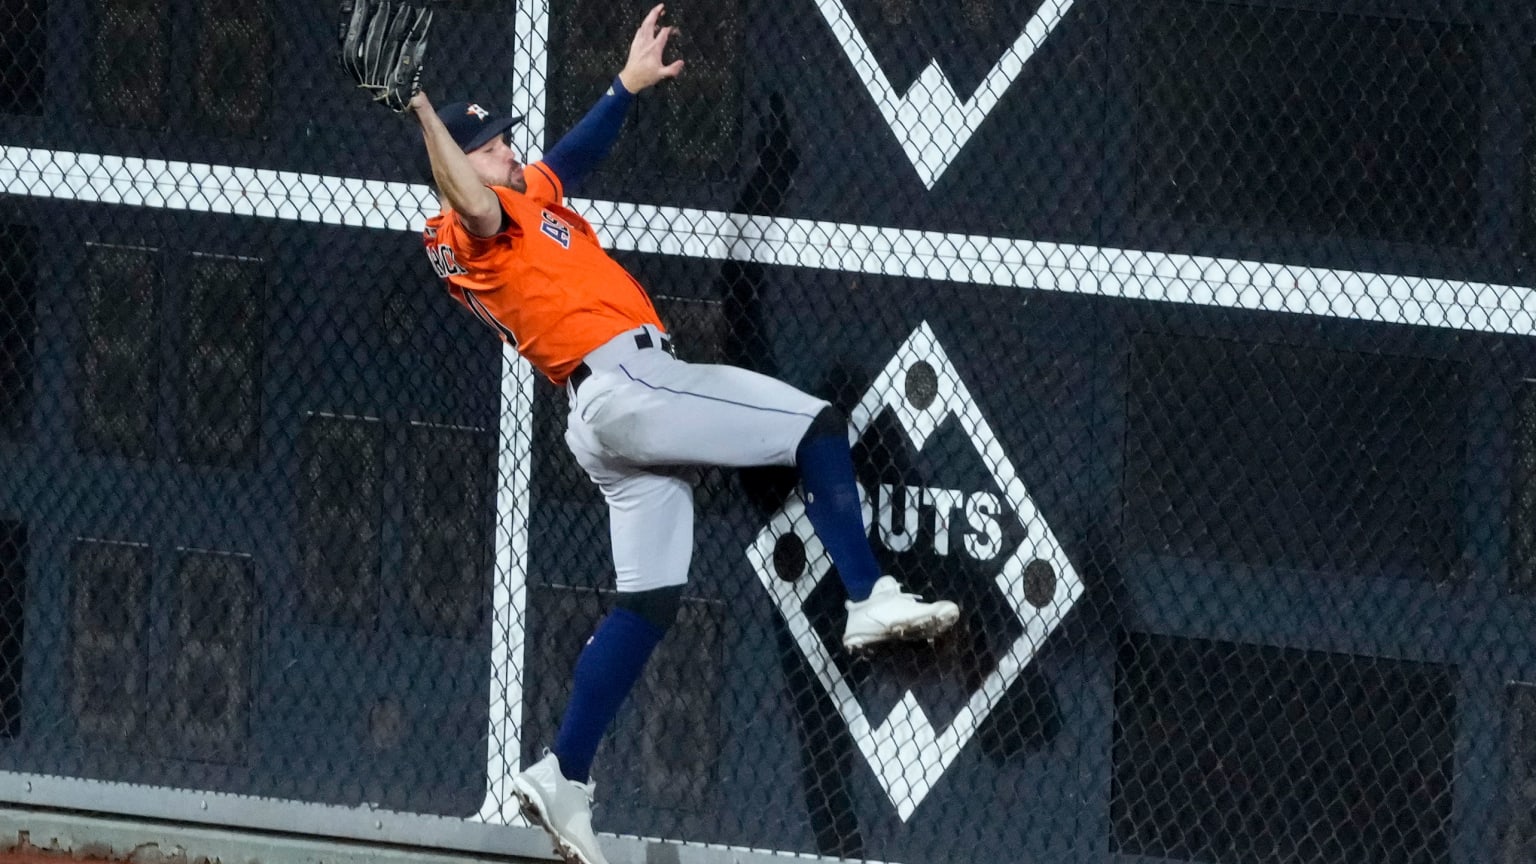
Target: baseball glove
382	44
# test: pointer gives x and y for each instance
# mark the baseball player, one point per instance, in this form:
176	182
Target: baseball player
511	251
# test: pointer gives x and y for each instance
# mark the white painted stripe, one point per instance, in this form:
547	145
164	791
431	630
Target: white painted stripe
514	469
530	72
1107	272
207	188
717	235
509	606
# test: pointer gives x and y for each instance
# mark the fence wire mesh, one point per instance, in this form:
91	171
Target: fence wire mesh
1186	344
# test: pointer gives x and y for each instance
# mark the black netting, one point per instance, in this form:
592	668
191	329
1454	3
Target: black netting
13	605
1187	344
23	45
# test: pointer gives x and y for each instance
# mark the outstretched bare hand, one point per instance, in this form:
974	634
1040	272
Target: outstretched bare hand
645	66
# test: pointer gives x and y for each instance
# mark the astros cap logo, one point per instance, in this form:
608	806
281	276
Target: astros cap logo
477	111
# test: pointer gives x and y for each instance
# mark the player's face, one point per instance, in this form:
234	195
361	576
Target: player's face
496	165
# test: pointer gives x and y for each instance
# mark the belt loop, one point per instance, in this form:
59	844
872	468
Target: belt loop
650	337
581	373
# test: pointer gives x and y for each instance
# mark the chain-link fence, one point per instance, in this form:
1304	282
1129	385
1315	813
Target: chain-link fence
1187	344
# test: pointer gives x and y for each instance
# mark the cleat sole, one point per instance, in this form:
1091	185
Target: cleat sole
923	630
534	813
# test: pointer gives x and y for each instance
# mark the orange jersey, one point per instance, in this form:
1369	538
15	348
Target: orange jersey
545	283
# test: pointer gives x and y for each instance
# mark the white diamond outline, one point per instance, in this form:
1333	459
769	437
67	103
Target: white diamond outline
930	121
906	754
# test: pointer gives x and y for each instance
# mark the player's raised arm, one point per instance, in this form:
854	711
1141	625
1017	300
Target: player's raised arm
586	145
457	181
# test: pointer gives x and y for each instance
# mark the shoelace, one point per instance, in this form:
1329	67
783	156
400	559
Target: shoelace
910	596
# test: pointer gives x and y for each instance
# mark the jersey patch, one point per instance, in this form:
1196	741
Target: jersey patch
556	230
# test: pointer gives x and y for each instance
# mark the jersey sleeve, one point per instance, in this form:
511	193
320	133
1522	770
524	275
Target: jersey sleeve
471	255
580	150
543	185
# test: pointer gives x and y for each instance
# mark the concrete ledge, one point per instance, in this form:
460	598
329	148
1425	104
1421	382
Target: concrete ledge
88	837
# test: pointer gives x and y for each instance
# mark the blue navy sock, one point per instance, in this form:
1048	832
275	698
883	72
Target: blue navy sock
832	503
607	670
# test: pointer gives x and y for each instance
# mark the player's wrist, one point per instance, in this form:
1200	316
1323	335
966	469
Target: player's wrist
630	82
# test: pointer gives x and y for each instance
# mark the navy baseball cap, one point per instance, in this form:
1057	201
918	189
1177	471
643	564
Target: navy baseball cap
472	124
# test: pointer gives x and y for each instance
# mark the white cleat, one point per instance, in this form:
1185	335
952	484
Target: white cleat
891	614
563	808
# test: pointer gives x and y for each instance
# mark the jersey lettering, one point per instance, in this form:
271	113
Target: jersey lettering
556	230
443	261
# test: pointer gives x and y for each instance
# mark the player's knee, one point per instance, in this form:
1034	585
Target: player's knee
829	421
658	606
